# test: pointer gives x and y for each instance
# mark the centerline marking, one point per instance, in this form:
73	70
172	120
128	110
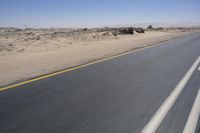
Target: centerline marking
160	114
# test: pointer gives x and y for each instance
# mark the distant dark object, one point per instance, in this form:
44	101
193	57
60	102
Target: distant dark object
139	30
37	38
159	28
21	50
125	31
85	29
150	27
30	33
106	34
10	44
18	29
115	32
33	38
179	28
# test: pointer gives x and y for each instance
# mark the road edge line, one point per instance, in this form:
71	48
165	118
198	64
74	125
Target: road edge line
191	123
160	114
6	87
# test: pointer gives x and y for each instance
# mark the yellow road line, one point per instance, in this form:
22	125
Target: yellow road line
74	68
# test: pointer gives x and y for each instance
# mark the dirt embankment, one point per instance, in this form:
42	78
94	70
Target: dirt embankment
32	52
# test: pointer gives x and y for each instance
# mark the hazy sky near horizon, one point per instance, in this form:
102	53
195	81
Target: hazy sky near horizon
85	13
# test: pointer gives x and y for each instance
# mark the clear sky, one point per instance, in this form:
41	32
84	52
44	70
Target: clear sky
84	13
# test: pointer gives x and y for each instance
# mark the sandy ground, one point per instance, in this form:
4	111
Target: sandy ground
21	60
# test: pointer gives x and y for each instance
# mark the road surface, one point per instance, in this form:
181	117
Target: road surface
120	95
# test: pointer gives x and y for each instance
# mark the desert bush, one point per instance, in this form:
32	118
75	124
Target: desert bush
125	31
139	30
150	27
85	29
115	32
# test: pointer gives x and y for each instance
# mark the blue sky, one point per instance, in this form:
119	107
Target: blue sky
85	13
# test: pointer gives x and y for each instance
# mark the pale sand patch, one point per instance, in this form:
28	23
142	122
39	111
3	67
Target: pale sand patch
39	59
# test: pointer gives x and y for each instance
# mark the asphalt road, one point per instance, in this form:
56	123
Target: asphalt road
120	95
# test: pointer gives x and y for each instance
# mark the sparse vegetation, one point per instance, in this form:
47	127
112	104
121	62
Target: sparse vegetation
150	27
139	30
126	31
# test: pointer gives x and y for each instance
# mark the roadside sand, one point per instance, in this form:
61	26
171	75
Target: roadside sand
34	59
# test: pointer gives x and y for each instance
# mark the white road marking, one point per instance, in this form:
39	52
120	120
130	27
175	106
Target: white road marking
199	68
160	114
191	124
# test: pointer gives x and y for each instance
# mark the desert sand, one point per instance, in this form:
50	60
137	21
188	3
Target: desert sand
29	53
